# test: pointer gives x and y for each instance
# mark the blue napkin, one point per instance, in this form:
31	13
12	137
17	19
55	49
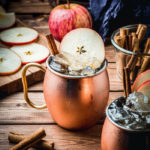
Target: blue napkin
109	15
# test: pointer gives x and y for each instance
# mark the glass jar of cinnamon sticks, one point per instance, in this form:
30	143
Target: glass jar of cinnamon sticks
132	45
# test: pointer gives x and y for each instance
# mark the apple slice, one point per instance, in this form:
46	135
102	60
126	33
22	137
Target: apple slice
141	78
7	20
31	52
18	36
145	89
84	43
10	62
2	10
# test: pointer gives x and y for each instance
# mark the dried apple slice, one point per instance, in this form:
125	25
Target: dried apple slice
84	43
31	52
18	36
10	62
141	78
7	20
145	88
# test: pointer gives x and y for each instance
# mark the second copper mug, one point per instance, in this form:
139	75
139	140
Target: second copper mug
115	137
74	102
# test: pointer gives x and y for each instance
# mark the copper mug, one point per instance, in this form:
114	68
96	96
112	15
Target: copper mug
116	137
74	102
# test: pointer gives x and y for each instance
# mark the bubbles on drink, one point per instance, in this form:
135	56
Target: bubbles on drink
67	63
131	113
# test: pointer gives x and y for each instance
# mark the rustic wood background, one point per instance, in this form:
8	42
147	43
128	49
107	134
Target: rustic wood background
16	115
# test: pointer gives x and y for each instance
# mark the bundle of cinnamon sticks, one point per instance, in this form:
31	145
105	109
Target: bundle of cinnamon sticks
132	65
33	140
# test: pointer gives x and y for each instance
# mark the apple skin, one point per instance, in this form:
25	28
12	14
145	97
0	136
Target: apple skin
9	73
39	61
145	88
63	19
141	78
9	26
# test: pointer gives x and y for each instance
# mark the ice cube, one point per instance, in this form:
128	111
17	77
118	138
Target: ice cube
75	63
120	112
145	99
93	62
148	119
137	101
59	64
61	59
88	71
58	67
74	73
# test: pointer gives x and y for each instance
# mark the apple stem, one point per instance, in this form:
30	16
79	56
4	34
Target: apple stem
68	4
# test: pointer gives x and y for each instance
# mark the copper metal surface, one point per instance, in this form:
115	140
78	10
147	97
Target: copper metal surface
75	102
115	138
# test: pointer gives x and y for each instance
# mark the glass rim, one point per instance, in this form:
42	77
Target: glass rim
122	49
103	68
121	126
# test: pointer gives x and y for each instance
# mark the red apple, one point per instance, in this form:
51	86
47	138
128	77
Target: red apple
141	78
66	17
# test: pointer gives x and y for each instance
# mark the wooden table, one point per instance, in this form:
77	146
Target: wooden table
16	115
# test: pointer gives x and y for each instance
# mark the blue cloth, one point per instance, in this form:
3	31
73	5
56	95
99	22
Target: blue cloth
109	15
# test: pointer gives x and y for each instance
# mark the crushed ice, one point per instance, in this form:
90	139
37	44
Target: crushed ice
78	66
131	113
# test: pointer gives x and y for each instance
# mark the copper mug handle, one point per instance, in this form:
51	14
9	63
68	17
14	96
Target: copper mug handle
25	85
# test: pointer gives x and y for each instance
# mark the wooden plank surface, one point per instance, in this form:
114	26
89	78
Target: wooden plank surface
29	7
64	140
16	104
16	115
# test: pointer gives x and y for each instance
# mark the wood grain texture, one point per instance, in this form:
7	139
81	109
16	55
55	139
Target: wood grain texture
29	7
14	109
64	140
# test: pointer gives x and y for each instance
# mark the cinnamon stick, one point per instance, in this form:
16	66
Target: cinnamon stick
141	32
145	63
147	46
124	82
133	59
14	137
130	42
52	44
133	34
127	81
124	31
119	41
30	140
138	29
121	56
134	73
146	59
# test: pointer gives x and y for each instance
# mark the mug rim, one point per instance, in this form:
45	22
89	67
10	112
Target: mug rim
122	49
120	126
104	66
